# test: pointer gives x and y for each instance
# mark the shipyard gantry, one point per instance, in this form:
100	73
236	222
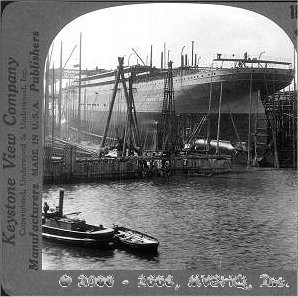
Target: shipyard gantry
66	161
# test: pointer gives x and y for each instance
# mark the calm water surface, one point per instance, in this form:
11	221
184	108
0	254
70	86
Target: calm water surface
246	220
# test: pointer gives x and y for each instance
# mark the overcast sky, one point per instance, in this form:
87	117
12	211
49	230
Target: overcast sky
113	32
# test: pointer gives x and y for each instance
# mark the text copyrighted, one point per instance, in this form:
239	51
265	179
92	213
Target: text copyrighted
195	281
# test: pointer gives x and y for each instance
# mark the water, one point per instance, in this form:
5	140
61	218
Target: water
246	220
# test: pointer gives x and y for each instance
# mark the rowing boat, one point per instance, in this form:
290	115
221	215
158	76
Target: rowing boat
133	239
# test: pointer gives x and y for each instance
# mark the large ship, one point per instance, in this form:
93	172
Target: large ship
242	84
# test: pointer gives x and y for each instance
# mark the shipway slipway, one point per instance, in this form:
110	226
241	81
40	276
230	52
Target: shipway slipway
62	228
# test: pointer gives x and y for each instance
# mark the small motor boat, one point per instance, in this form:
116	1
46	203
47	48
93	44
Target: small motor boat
59	227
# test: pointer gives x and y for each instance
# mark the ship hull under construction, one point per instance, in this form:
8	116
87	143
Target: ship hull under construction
196	91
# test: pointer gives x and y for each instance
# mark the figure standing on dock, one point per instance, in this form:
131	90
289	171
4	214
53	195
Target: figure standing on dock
46	209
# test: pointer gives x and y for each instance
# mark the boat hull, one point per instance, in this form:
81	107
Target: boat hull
243	91
102	237
192	91
144	248
141	242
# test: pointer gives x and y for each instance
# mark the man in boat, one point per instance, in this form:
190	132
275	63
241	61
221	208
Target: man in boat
46	209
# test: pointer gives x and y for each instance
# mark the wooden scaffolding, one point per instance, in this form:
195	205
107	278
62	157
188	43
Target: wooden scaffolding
131	142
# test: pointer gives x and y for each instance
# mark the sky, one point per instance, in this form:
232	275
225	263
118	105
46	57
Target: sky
113	32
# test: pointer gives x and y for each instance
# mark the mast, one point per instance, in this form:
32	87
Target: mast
218	121
151	56
79	100
85	109
47	95
164	55
53	106
235	129
209	112
192	48
68	106
249	122
60	93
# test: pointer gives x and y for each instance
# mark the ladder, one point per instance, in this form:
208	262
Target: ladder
169	140
260	141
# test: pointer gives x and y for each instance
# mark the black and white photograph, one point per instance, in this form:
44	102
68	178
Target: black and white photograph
164	126
149	144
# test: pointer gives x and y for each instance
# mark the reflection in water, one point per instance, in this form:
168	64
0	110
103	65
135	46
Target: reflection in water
60	250
76	256
235	221
53	247
140	255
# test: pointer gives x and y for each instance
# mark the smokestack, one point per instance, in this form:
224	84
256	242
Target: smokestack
185	60
195	60
192	46
161	60
61	196
181	61
151	56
